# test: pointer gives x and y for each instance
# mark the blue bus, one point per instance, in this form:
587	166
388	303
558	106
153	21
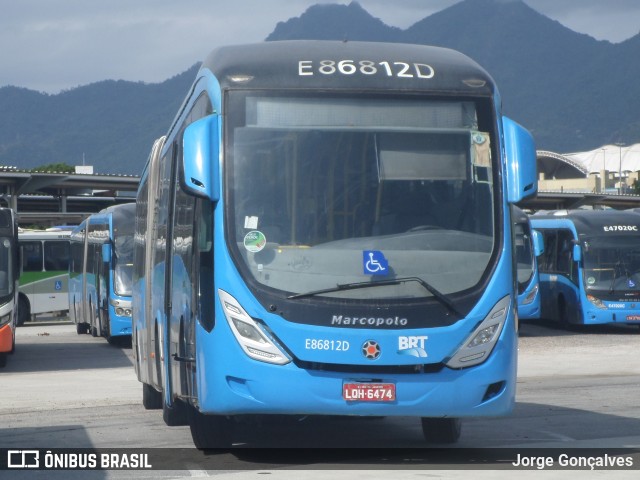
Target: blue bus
590	268
528	246
100	272
325	230
9	274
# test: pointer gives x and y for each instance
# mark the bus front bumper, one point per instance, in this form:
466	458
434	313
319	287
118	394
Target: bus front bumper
240	385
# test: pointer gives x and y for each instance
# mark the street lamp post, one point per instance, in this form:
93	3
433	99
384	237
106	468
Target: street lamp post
620	145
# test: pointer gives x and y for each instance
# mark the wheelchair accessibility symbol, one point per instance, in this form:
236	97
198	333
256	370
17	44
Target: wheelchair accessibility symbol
374	263
58	285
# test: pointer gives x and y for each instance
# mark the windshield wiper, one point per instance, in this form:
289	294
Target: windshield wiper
381	283
619	268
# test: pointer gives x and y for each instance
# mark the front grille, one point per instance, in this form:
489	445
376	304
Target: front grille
370	369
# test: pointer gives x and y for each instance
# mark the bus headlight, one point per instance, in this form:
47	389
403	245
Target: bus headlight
5	319
597	302
253	339
531	297
478	346
121	307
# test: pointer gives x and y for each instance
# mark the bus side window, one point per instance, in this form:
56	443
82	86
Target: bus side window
31	256
547	263
204	259
56	256
565	242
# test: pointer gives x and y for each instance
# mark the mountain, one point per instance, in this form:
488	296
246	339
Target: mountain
110	125
573	92
335	22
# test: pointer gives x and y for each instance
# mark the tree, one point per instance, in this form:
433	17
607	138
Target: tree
55	168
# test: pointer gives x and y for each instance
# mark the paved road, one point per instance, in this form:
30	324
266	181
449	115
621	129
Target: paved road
576	389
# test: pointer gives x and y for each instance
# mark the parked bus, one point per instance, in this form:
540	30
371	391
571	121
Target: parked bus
528	246
100	272
326	230
9	273
590	268
44	277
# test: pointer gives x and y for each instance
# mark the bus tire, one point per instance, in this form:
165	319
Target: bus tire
209	431
151	398
563	314
174	415
441	430
24	310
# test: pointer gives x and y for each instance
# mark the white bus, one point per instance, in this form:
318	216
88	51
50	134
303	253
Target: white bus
44	278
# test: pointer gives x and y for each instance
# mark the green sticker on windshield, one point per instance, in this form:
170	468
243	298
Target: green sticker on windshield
255	241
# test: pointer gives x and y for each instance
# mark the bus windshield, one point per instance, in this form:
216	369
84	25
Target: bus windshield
611	264
123	263
341	190
524	255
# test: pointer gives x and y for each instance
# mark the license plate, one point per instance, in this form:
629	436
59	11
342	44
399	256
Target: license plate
633	318
369	392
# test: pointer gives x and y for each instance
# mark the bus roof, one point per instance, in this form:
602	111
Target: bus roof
595	221
366	66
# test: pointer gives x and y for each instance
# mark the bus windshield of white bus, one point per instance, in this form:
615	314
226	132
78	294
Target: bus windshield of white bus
342	190
612	264
6	270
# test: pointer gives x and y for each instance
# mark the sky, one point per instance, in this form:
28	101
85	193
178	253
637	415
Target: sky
56	45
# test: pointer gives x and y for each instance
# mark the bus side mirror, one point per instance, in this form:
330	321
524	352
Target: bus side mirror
538	243
577	253
200	158
106	252
522	171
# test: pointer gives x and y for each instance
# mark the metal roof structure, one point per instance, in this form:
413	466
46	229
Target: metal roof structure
613	158
45	198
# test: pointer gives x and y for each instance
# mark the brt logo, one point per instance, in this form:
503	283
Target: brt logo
412	345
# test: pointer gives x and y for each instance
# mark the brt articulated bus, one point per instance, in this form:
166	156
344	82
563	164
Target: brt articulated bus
529	245
590	268
44	277
9	273
325	230
100	272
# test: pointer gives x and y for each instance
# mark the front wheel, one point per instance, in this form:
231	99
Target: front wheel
441	430
151	398
176	414
209	431
24	311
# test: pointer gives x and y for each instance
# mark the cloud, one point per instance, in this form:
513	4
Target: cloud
55	45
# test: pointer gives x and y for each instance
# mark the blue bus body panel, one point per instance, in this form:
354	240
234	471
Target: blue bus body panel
239	384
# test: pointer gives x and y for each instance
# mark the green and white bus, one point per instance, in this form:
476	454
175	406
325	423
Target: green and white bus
44	278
